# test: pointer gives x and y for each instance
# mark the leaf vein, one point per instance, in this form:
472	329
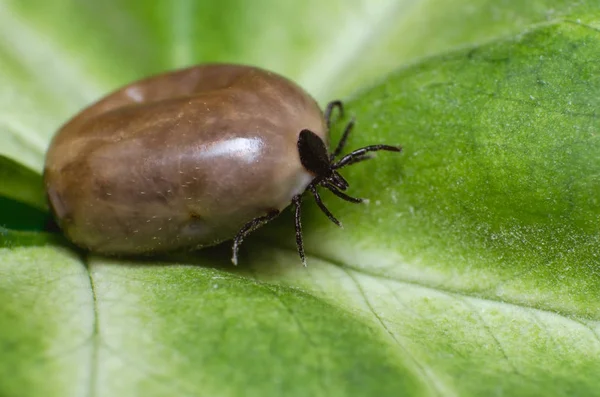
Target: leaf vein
425	372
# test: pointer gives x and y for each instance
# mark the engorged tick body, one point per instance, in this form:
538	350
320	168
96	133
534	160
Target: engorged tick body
189	159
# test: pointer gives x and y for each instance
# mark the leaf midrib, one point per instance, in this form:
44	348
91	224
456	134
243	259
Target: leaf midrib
94	361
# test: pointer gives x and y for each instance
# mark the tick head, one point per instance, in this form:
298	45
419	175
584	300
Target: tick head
316	159
313	154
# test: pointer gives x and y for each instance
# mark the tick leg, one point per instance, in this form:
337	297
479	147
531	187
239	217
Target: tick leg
319	202
342	141
297	201
338	181
361	152
341	195
247	229
329	109
357	159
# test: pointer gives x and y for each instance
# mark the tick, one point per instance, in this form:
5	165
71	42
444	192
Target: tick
191	158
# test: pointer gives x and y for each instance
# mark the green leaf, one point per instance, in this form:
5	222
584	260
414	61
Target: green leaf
22	199
473	270
10	238
21	184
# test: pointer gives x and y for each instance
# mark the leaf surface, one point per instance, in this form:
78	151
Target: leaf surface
473	269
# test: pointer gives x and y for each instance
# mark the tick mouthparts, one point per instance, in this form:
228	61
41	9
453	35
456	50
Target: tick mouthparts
339	181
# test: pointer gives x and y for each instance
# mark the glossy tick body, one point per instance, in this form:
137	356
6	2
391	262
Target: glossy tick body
191	158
